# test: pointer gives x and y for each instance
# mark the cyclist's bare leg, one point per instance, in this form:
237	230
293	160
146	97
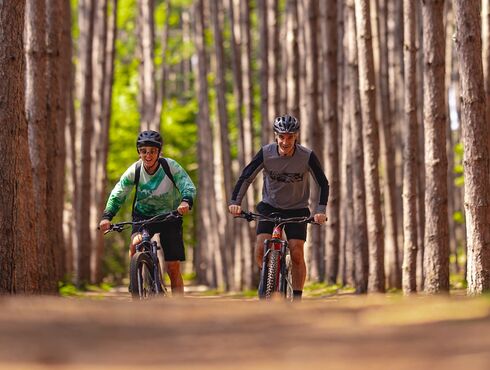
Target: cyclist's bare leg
176	281
259	248
136	238
296	247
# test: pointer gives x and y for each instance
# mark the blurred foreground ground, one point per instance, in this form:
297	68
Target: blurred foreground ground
338	332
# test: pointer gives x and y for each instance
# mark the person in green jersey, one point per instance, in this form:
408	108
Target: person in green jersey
162	186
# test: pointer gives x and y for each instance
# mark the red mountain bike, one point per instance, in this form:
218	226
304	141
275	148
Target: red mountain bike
275	275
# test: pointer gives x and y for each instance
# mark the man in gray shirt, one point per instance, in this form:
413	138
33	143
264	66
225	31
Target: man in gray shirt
285	165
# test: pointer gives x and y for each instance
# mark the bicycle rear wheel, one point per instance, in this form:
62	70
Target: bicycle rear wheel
142	276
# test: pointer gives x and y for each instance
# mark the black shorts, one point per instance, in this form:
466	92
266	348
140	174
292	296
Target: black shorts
170	237
293	231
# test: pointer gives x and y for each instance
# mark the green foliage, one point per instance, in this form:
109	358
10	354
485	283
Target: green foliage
458	217
457	281
314	289
458	166
68	290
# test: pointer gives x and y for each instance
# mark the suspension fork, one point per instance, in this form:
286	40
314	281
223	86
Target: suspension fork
282	265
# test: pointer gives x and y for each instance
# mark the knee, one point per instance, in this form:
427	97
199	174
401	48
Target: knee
135	240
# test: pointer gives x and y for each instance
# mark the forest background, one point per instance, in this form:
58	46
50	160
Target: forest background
392	95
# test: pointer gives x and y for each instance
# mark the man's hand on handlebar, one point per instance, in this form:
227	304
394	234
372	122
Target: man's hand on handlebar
320	218
104	225
183	208
235	209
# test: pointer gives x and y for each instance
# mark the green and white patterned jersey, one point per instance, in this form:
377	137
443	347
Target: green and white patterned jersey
156	193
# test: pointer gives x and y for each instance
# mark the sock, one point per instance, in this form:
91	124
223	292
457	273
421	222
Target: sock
297	294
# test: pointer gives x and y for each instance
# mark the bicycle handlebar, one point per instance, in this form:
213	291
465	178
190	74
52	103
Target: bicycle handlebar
277	220
120	226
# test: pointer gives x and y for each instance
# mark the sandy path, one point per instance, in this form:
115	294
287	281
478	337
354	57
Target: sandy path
189	333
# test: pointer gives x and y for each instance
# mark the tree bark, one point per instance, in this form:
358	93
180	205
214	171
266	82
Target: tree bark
410	150
264	72
248	130
58	84
436	253
86	21
376	281
18	259
476	148
331	154
388	132
355	145
224	186
37	121
292	100
147	88
208	242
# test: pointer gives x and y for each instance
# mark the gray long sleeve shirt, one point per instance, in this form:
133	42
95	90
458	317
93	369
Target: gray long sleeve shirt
286	180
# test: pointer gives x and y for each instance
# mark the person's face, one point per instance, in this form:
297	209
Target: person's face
149	155
286	143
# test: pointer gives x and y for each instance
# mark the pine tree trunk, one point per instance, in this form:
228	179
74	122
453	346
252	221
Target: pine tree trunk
410	150
264	71
18	259
224	188
292	100
66	90
147	88
476	148
273	60
331	154
71	187
486	52
86	21
436	252
161	88
99	58
313	135
388	132
208	241
421	162
58	82
355	145
37	120
248	131
376	281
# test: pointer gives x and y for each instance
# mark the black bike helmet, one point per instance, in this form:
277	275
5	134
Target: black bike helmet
286	125
149	138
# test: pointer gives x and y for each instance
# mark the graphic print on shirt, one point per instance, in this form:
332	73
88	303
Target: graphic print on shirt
286	177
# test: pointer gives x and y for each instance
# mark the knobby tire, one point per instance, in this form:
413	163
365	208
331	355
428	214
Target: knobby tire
272	274
141	276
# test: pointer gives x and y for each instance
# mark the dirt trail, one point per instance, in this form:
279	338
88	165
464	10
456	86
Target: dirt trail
223	333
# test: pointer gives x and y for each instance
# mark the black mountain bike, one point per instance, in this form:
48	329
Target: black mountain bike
145	274
275	275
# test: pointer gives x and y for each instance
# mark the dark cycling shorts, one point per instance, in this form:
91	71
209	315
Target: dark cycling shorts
170	237
293	231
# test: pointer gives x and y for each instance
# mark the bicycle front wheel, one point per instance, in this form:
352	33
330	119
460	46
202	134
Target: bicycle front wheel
271	282
142	276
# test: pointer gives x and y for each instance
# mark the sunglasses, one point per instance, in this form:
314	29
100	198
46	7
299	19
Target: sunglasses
150	151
